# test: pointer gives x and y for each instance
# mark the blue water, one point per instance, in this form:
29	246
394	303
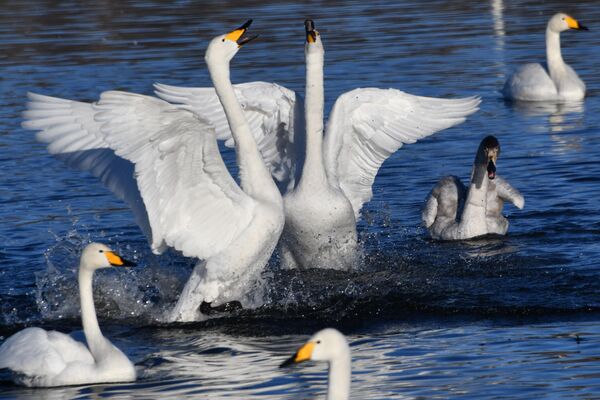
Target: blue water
513	317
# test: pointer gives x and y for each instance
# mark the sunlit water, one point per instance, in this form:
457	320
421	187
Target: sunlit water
514	317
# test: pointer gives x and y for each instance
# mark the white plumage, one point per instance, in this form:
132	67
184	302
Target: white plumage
331	177
181	190
40	358
554	80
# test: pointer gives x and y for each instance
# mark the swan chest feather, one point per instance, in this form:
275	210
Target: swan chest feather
320	230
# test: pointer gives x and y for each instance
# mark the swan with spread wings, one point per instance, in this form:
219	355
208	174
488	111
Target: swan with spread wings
326	178
165	163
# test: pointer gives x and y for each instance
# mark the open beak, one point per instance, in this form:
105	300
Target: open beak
304	353
311	35
574	24
239	35
117	261
491	169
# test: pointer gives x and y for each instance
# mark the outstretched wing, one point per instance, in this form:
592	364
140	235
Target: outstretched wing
367	125
193	203
273	112
73	136
509	193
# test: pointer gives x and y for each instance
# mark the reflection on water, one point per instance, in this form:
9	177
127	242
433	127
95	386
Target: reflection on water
560	119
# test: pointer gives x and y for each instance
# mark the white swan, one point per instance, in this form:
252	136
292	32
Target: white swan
39	358
453	213
555	80
331	346
328	179
186	199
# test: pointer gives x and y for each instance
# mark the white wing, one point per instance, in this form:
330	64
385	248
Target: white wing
367	125
193	203
72	135
273	112
35	352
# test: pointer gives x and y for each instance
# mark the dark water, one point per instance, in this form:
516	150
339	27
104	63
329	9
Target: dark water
513	317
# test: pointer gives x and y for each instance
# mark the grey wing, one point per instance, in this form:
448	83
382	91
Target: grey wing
446	199
508	193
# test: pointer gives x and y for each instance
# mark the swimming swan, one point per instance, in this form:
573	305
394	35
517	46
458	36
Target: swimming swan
453	213
183	195
327	179
554	80
39	358
331	346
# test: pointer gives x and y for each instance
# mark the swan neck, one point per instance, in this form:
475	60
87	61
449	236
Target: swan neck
339	378
556	65
474	212
255	178
314	170
93	335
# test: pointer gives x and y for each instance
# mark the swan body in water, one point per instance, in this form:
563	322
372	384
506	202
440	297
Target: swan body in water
554	80
326	178
331	346
453	213
39	358
164	161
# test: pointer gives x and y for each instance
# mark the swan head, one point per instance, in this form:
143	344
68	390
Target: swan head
326	345
562	22
97	255
224	47
313	37
488	153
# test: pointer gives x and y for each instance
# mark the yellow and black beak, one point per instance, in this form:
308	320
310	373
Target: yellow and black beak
304	353
239	35
574	24
117	261
311	34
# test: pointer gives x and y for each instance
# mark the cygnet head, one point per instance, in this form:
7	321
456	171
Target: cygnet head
488	153
313	38
224	47
325	345
97	255
562	22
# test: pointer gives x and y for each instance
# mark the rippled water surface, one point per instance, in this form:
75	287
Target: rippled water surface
513	317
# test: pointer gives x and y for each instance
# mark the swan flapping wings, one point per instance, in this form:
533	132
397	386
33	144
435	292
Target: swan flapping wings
190	200
365	127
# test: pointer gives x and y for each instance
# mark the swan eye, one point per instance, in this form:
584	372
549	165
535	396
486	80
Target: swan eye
318	342
100	251
223	40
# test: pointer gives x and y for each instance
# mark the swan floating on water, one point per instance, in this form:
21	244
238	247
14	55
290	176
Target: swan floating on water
331	346
453	213
554	80
327	179
164	161
39	358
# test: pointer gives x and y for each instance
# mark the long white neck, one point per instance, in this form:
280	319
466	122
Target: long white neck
313	171
95	340
473	218
556	65
255	178
339	378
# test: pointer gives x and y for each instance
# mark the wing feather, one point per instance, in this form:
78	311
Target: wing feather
367	125
273	112
193	203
